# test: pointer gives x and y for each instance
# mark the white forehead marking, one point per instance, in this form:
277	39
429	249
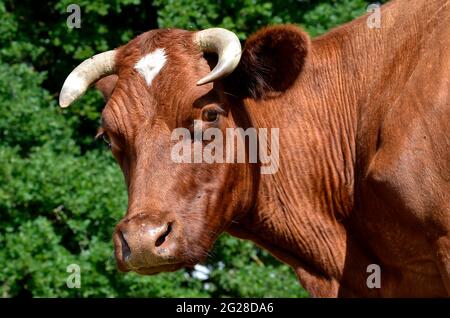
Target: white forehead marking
150	65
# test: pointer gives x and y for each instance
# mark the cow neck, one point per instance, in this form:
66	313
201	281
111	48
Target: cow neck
301	211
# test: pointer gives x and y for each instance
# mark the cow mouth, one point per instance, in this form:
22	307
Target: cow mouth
153	270
149	270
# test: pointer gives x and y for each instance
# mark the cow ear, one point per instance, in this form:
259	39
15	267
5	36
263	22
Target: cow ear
271	61
106	85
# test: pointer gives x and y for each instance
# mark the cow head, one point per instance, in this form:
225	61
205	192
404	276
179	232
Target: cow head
160	81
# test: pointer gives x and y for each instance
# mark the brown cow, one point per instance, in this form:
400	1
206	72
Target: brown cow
364	148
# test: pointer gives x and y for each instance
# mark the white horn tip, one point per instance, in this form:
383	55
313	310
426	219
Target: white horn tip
63	102
63	105
202	81
67	97
88	72
72	89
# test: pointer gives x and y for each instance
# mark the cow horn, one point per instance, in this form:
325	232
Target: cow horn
88	72
228	48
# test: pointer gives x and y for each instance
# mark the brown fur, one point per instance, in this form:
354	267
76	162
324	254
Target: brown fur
364	173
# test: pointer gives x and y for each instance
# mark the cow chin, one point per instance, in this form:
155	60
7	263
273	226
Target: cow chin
158	269
150	270
190	262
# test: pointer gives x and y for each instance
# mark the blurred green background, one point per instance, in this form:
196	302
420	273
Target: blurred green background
61	193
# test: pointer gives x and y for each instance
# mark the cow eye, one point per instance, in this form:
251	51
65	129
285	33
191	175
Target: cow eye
209	115
106	140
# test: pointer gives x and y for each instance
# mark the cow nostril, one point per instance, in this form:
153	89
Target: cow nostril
163	237
126	251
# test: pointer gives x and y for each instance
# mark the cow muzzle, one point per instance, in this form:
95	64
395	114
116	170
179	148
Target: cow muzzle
147	247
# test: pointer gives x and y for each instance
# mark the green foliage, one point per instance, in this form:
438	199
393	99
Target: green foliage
247	16
28	116
61	193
